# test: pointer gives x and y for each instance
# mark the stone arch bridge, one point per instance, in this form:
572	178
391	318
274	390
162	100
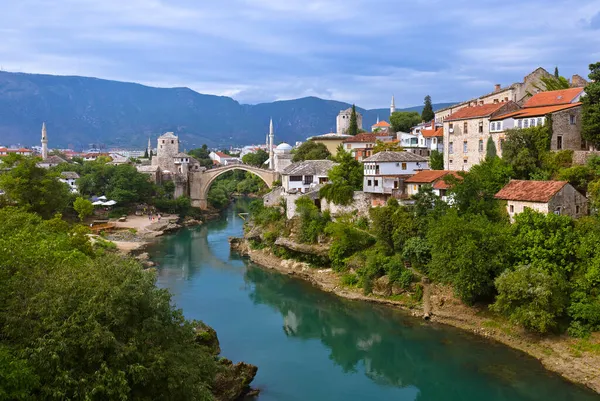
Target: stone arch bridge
201	181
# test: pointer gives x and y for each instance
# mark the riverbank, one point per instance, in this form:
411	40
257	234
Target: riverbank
576	360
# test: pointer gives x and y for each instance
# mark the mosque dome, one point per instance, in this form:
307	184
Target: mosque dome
283	147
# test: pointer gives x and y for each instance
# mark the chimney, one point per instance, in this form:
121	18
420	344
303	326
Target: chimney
497	87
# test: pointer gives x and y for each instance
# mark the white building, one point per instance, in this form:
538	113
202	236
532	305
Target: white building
305	176
70	178
282	156
385	173
223	159
433	178
343	121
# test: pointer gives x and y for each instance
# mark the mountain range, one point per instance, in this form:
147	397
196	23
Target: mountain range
80	111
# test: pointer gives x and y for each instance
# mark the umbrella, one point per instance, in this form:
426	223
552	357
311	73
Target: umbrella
97	203
109	203
102	197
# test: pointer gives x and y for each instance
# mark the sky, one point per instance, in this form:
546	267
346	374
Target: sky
357	51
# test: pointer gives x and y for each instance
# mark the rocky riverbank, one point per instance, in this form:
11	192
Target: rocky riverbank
561	354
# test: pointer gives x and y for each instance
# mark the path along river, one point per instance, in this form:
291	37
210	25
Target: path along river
313	346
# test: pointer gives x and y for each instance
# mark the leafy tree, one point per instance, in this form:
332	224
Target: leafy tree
525	150
344	179
17	379
310	150
346	241
381	146
257	158
590	114
202	154
578	176
490	151
553	83
531	296
427	114
312	222
353	127
83	207
469	253
436	160
404	120
31	187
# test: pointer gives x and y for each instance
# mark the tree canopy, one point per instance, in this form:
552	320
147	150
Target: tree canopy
310	150
344	179
436	160
257	158
590	115
353	127
381	146
427	114
403	121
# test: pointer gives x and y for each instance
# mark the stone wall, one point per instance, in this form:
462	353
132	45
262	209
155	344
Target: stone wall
361	202
570	133
582	156
273	198
571	202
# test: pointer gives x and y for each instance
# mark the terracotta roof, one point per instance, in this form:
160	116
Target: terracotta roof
441	184
387	156
530	191
430	133
223	155
382	124
475	111
363	137
536	111
552	98
428	176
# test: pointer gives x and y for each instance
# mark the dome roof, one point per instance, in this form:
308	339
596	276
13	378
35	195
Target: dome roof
283	146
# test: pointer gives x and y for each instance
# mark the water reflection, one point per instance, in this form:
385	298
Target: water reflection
395	350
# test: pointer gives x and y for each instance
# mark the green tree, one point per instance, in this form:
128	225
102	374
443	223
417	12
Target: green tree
353	126
344	178
257	158
202	154
427	114
310	150
381	146
31	187
83	207
553	83
146	155
556	75
436	160
403	121
490	151
525	150
17	379
590	114
312	222
531	296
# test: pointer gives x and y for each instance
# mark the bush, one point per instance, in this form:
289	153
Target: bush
312	222
349	279
405	279
347	240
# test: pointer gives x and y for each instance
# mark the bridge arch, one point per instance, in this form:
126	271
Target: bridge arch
202	180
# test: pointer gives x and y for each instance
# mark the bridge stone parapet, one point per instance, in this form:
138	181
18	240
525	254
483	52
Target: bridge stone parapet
200	181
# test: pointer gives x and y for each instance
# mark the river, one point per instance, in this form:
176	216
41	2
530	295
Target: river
313	346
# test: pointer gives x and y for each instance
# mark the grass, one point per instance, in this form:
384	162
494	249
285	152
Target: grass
585	346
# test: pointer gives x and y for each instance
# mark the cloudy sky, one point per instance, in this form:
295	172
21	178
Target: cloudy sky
358	51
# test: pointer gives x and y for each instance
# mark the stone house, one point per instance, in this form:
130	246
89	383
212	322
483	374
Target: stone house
51	161
343	121
466	133
70	178
433	178
557	197
304	176
361	145
385	174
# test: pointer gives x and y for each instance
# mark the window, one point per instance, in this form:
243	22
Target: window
465	128
403	166
577	209
450	148
480	127
369	183
308	179
559	142
492	126
499	126
348	146
451	127
557	211
512	208
525	123
414	187
376	183
465	147
572	119
519	123
450	161
540	121
465	161
172	142
532	122
480	145
396	186
583	144
295	178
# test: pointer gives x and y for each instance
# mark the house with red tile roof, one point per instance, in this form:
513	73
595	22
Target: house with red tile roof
466	133
558	197
361	145
223	159
381	126
433	178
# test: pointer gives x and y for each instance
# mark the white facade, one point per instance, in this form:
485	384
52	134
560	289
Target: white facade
223	159
70	178
305	176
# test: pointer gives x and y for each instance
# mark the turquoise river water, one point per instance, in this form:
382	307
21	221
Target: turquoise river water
312	346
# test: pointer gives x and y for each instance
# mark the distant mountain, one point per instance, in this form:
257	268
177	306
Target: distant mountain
79	111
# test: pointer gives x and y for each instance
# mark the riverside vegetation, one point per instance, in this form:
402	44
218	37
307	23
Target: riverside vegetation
79	321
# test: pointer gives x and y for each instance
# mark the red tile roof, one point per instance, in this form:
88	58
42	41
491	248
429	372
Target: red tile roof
430	133
552	98
483	110
382	124
441	184
363	137
536	111
530	191
429	176
221	154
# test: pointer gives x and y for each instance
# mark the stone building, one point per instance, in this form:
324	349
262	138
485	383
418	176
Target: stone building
557	197
343	121
282	156
166	150
466	133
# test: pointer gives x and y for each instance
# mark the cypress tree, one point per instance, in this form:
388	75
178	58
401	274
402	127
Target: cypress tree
590	114
353	128
556	72
490	151
427	114
146	155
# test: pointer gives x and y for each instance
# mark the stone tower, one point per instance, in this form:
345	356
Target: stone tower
166	151
343	121
44	142
271	137
392	106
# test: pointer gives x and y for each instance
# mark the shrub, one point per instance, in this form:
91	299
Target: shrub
405	279
312	222
349	279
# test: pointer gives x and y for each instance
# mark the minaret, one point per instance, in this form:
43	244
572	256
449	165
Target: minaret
377	118
44	142
149	148
393	106
271	136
